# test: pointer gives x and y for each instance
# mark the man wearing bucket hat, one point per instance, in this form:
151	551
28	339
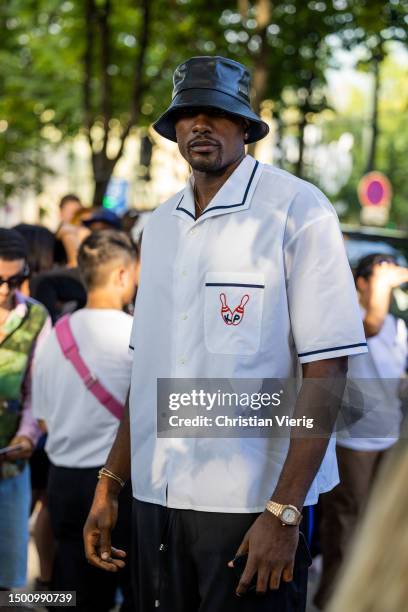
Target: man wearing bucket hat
214	83
245	291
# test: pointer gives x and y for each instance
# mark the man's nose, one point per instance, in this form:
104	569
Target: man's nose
202	123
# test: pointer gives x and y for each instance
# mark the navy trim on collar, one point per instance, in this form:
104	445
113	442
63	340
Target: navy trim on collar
178	207
245	194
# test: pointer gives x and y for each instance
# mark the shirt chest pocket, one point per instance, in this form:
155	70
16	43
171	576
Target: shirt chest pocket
233	312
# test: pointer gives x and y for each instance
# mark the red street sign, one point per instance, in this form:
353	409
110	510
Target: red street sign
374	189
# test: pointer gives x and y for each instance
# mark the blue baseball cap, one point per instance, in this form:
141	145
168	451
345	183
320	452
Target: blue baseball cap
102	215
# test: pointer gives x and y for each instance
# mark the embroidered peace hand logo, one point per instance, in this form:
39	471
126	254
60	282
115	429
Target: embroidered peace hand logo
233	317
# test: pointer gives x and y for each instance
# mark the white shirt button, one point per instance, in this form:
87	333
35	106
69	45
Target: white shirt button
182	361
184	273
193	231
184	316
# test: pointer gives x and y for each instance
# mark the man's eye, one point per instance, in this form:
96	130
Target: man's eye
216	112
188	112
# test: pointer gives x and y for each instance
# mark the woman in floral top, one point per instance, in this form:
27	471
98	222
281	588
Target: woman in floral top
23	324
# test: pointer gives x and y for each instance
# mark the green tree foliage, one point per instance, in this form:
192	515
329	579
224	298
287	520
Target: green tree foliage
392	141
374	25
103	69
94	67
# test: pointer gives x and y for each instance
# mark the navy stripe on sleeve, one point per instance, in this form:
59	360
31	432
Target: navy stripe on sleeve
333	348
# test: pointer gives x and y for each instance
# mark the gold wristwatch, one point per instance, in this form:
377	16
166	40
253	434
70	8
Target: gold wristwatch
287	514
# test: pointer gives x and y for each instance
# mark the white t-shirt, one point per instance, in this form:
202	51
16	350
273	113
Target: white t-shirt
266	236
377	376
80	429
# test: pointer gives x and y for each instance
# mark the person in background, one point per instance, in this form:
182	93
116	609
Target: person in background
41	246
61	289
23	326
374	576
80	428
102	218
69	206
362	445
129	220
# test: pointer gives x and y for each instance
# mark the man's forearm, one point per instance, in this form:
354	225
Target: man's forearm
377	308
319	400
300	468
118	460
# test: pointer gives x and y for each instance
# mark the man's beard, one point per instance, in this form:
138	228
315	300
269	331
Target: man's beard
211	164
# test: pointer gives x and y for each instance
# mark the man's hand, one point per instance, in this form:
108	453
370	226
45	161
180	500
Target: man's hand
25	451
271	549
72	237
389	274
98	528
377	292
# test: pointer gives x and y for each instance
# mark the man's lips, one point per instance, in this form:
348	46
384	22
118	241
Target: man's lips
204	146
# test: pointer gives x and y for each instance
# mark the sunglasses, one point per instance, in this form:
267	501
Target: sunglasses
14	282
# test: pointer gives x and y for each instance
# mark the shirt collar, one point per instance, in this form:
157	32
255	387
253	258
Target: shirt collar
235	194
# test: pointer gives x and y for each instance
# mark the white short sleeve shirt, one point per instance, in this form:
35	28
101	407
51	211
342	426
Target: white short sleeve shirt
81	430
378	375
258	284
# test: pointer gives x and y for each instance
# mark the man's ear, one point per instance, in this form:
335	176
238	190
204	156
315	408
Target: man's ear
118	275
122	271
246	126
361	284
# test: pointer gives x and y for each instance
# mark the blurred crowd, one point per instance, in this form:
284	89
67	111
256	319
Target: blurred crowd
66	307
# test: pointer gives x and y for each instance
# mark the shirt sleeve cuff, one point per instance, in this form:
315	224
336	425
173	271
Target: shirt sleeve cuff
333	352
29	427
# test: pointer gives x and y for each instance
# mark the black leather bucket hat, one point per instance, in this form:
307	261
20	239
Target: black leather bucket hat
212	82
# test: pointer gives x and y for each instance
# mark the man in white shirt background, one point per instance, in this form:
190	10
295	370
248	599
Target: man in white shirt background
253	239
80	428
363	442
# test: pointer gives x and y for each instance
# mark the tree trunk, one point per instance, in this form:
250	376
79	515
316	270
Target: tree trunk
278	158
102	171
305	106
146	152
301	144
99	191
100	15
374	118
260	70
90	16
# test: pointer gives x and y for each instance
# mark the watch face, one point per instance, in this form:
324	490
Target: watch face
289	516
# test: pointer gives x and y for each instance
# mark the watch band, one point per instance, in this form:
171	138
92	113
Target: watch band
277	510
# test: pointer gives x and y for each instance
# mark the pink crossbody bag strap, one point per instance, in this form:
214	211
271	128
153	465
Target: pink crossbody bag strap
71	352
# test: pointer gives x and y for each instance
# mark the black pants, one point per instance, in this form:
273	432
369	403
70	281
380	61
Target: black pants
70	495
191	573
